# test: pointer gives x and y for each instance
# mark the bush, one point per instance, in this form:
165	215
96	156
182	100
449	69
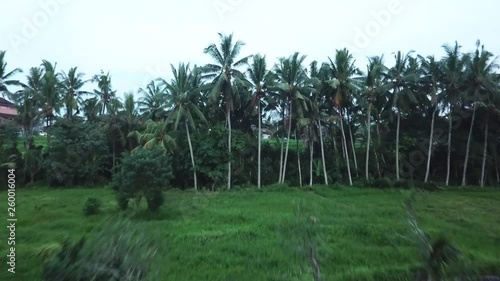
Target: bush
143	173
92	206
119	251
401	184
381	183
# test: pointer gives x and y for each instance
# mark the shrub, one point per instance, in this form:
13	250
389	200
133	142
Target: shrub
401	184
144	173
92	206
119	251
381	183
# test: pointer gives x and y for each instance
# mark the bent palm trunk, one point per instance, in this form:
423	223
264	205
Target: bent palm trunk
468	146
229	149
287	143
429	152
192	157
298	158
368	128
259	148
484	154
322	152
397	146
344	141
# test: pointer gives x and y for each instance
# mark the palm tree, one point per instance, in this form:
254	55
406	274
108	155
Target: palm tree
91	109
343	71
480	69
373	84
5	76
71	84
400	78
27	103
50	93
452	83
225	79
155	134
105	92
181	91
293	83
130	115
431	77
153	102
261	78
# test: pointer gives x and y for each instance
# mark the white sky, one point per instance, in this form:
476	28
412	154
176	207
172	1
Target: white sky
137	40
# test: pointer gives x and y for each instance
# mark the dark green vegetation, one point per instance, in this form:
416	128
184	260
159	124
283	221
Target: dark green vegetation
420	122
250	235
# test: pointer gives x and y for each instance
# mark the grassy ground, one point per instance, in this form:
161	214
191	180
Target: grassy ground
249	235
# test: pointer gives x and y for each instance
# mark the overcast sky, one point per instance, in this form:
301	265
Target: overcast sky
137	40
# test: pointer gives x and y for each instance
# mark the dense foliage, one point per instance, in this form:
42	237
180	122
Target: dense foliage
240	121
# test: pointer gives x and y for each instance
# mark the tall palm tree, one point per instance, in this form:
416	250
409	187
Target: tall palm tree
452	83
373	88
153	101
71	84
130	115
49	99
400	78
5	76
343	70
105	92
91	109
27	103
225	79
182	90
293	83
480	76
261	78
430	81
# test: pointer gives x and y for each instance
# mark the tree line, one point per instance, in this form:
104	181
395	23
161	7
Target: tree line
420	119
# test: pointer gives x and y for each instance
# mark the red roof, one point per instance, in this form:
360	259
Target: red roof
8	111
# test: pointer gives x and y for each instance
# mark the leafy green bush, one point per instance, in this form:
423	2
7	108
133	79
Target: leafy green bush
92	206
78	154
381	183
143	173
119	251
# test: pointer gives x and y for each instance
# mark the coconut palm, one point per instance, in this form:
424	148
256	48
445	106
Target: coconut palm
181	92
154	100
452	84
343	72
50	94
6	76
482	83
430	82
373	88
226	80
293	84
400	78
155	134
261	78
71	84
104	92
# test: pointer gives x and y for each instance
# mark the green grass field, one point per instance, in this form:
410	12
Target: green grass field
249	234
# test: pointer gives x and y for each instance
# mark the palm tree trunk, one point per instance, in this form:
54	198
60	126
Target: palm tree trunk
281	151
468	145
322	152
496	165
287	143
448	168
192	156
397	145
379	138
368	128
298	158
352	147
311	151
344	141
259	148
429	153
378	163
229	149
336	151
484	153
